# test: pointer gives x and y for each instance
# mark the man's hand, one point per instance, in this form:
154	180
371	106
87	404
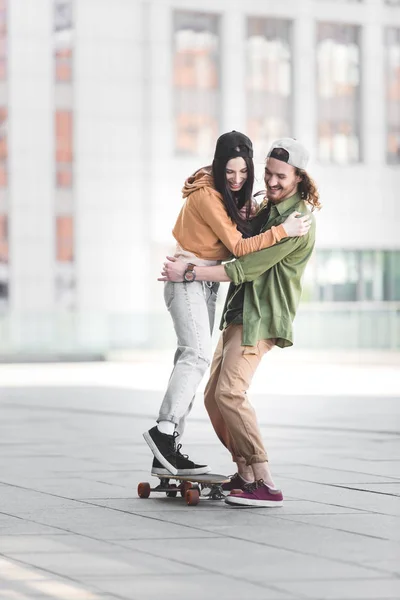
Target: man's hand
173	270
297	226
253	210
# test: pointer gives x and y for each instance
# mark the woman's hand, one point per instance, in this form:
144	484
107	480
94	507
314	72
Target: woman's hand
173	270
296	225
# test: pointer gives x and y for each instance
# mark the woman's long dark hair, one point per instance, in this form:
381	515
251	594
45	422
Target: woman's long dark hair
234	202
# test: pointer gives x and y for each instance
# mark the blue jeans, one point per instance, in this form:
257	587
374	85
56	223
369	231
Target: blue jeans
192	308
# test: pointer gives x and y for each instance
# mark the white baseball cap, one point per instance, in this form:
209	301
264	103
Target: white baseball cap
295	155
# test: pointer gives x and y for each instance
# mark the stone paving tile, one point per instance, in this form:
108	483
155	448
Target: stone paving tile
111	525
18	545
325	474
267	564
90	564
194	587
20	526
315	541
332	589
74	488
50	587
384	487
340	496
369	524
385	563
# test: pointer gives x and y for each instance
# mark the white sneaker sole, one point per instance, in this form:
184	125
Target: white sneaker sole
235	501
157	471
160	457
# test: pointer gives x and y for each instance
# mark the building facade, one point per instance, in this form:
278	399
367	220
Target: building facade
106	107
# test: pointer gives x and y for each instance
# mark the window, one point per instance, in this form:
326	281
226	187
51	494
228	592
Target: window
3	40
392	59
338	84
65	239
4	243
4	258
196	82
343	1
3	145
63	64
64	153
3	239
353	276
269	81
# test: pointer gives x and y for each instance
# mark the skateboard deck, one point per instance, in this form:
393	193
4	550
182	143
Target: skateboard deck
191	487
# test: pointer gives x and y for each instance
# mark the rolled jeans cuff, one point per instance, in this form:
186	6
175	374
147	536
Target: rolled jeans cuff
170	418
254	458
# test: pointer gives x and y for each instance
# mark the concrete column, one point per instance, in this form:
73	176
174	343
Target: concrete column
110	197
373	87
304	78
233	36
31	156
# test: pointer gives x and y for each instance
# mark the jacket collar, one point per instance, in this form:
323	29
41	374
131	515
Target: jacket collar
287	204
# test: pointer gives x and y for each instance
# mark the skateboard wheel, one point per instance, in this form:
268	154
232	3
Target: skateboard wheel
143	490
192	497
185	486
172	493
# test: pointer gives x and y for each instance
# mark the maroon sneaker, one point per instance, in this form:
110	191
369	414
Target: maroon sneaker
235	483
256	494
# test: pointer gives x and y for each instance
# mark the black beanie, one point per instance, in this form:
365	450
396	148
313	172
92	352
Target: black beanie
228	142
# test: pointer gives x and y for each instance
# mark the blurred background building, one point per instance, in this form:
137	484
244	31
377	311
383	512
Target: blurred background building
106	106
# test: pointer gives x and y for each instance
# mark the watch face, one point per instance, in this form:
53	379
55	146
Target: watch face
189	276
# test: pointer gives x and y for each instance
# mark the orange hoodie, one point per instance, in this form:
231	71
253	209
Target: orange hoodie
204	228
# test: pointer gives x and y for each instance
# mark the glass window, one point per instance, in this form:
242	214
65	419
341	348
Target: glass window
3	39
63	60
4	243
343	1
64	153
4	259
3	239
65	277
353	276
3	147
196	82
268	81
392	59
65	239
338	85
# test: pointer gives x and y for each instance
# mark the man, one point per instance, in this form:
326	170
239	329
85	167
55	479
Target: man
258	314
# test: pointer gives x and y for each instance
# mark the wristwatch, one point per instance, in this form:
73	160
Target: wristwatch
189	275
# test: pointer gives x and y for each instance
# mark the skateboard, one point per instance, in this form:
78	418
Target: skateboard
190	487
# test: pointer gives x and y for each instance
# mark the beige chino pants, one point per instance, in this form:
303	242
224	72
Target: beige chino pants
230	411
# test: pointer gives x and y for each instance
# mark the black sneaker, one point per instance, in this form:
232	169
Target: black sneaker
185	466
162	446
188	468
158	470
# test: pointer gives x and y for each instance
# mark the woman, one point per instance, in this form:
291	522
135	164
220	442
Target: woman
210	228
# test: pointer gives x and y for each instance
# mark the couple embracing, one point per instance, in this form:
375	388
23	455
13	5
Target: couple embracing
222	234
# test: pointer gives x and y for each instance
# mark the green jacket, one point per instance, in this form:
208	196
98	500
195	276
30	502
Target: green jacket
271	280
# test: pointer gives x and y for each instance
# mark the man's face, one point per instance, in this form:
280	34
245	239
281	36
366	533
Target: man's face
280	179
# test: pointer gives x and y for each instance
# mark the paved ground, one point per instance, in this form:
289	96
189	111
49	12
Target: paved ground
72	527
